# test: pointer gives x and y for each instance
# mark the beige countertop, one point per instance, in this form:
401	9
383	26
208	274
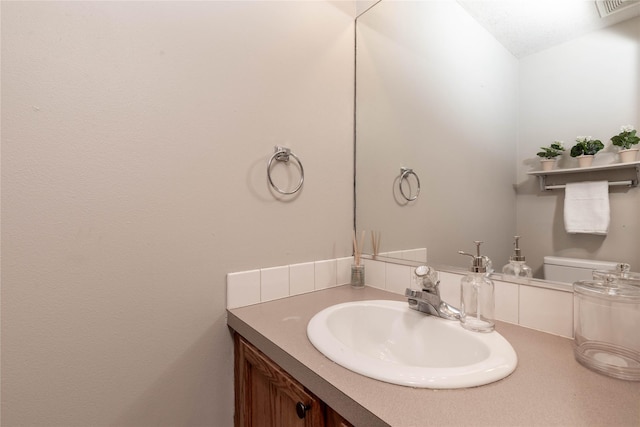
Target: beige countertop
547	388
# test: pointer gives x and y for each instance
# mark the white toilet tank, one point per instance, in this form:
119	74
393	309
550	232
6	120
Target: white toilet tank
569	270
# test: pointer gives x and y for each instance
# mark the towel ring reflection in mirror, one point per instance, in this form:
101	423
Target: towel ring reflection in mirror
283	154
404	176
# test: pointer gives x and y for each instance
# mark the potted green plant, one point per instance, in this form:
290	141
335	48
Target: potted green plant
585	149
548	155
626	139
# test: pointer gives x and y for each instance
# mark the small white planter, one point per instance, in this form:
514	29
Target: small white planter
585	160
629	155
548	164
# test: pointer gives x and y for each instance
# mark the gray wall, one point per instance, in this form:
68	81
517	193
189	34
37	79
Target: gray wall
135	137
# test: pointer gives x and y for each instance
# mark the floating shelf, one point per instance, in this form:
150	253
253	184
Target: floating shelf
617	174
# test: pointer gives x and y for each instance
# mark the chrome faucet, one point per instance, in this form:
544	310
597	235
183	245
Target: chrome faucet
428	299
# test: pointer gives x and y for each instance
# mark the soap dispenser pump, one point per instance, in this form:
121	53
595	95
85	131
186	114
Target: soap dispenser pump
477	304
516	266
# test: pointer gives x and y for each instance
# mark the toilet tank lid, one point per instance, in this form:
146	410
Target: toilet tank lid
579	263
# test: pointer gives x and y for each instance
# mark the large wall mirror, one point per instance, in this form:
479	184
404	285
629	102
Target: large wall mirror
466	106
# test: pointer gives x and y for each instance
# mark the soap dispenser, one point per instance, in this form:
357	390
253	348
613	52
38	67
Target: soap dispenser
516	266
477	295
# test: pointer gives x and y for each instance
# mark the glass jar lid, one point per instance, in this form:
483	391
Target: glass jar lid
622	290
620	273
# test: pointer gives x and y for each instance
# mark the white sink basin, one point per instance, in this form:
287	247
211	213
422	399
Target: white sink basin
388	341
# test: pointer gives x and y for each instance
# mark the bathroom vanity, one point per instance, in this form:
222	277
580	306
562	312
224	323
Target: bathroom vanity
547	388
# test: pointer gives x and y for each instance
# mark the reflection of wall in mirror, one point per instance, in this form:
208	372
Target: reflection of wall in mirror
436	94
586	86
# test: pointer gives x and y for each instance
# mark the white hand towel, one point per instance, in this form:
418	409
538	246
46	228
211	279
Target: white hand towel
586	207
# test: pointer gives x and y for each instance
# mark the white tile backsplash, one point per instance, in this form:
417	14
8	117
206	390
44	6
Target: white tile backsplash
343	270
325	274
507	296
243	288
392	254
274	283
301	278
547	310
419	255
397	278
450	288
375	273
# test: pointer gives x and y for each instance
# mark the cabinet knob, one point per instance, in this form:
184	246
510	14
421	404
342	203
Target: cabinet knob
301	409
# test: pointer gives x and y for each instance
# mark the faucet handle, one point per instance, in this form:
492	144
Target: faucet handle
423	270
426	277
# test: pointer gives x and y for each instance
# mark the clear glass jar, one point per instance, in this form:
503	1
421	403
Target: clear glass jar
607	315
477	303
517	269
357	276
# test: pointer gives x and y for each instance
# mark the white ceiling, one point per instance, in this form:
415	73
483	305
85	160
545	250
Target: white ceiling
528	26
363	5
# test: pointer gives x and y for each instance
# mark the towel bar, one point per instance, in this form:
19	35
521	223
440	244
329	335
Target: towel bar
611	184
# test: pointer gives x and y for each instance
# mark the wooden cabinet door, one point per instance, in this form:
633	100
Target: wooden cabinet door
335	420
266	396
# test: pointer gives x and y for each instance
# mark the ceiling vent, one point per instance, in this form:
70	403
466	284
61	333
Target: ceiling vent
608	7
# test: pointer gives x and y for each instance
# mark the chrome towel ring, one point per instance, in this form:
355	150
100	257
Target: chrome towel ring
282	154
404	175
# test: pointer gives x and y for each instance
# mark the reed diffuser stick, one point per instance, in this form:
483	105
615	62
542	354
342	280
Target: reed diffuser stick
356	258
357	247
375	242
